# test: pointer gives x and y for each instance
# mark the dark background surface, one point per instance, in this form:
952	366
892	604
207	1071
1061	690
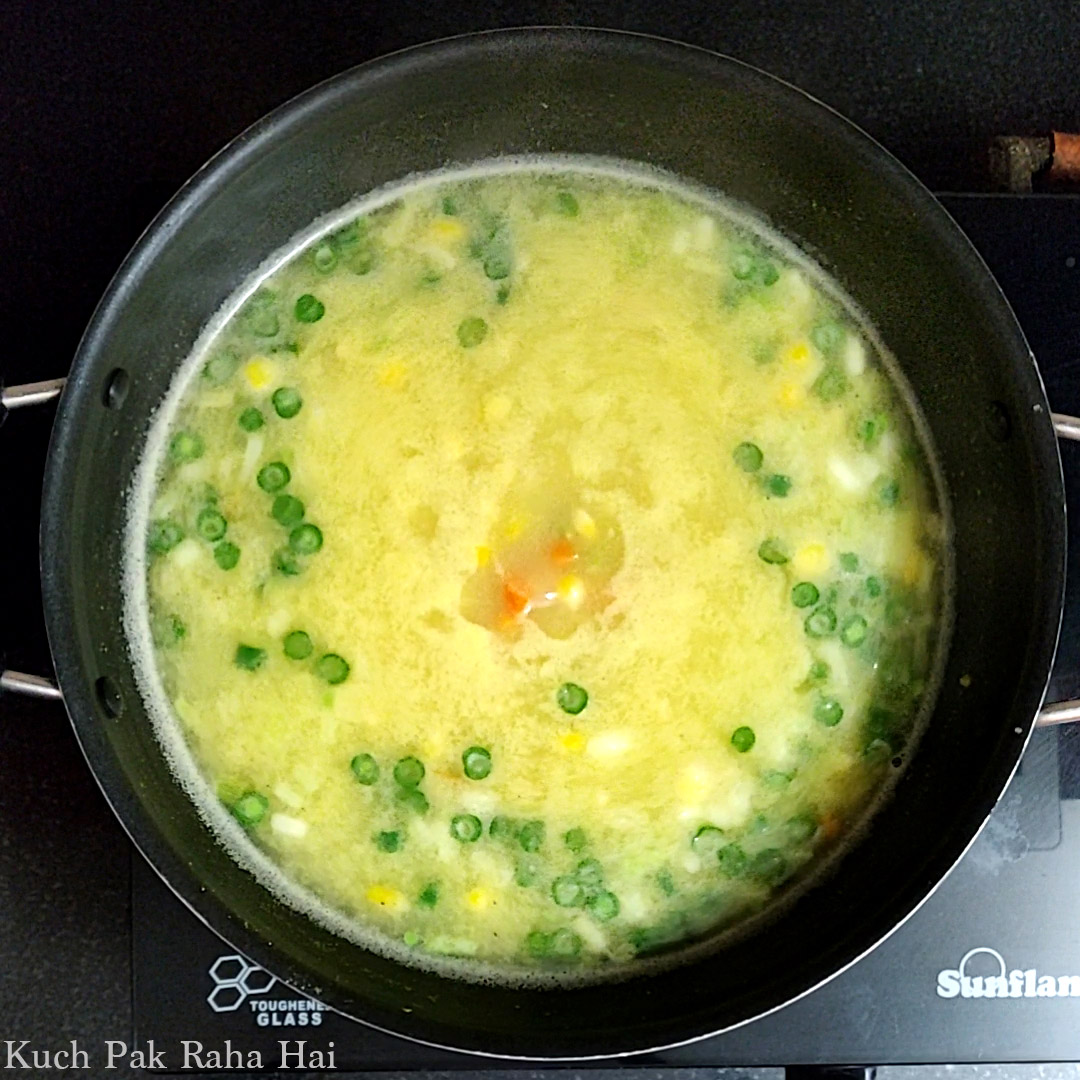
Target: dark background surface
105	109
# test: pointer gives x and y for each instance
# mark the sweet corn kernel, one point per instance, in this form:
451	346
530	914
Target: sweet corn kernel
572	591
447	229
480	899
584	524
514	528
383	896
483	555
392	376
811	559
798	355
259	372
791	395
573	741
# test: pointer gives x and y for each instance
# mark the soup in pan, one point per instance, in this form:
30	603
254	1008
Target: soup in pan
542	571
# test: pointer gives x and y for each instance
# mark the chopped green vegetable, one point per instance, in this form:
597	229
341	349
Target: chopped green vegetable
827	336
531	835
771	552
748	457
769	866
853	632
743	739
502	828
251	419
820	622
211	524
589	872
286	401
873	587
733	860
414	799
889	493
306	539
502	294
297	645
777	485
805	594
186	446
365	768
871	428
849	562
574	839
324	256
287	510
226	554
604	906
476	762
666	882
571	698
566	204
408	772
828	711
388	841
708	840
309	309
164	535
831	384
801	827
466	828
249	657
819	670
567	891
471	331
273	477
449	207
429	895
286	562
332	668
250	808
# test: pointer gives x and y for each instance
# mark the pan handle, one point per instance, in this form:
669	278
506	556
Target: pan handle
18	682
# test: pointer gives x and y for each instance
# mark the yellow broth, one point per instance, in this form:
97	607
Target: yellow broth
543	569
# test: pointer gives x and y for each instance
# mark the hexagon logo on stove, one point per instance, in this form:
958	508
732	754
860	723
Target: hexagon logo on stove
236	979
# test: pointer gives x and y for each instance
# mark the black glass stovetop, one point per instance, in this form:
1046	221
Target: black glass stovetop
1009	906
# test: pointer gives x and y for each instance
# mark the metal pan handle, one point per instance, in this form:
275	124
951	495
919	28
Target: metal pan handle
18	682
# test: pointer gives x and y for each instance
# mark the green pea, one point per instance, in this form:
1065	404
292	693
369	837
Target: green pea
564	944
771	552
211	524
604	906
742	265
408	772
589	872
777	486
497	266
574	839
889	493
249	657
309	309
820	622
260	314
531	835
287	510
743	739
286	562
250	808
708	840
567	891
831	384
748	457
226	554
871	428
732	860
666	882
801	828
828	711
476	762
873	587
413	799
849	562
466	828
164	535
537	944
273	477
853	632
306	539
827	336
411	938
471	331
332	668
526	874
429	895
819	670
324	257
449	207
566	204
297	645
502	828
365	768
571	698
767	273
221	367
388	841
805	594
502	294
286	401
769	866
251	419
186	446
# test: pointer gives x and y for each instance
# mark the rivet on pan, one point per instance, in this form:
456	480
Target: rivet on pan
108	695
115	388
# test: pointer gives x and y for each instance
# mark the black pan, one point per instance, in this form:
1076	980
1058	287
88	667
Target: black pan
822	183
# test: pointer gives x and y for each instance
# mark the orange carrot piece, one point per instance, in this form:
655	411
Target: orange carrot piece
562	552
